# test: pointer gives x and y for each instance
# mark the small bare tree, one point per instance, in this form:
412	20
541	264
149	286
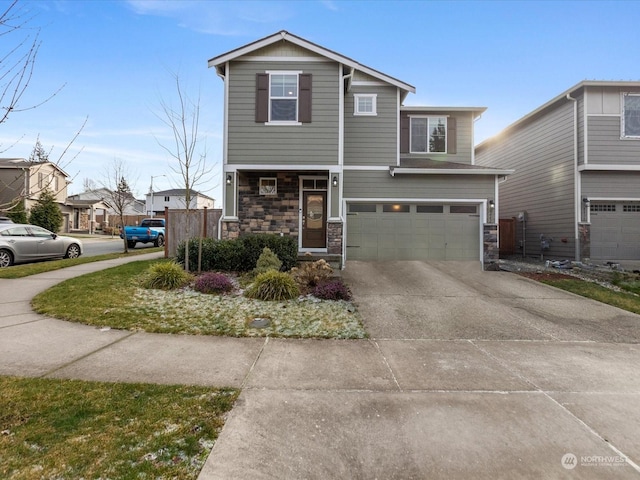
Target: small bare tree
118	195
183	119
17	62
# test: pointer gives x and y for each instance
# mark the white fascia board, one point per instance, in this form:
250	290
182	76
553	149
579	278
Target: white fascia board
440	109
289	168
415	200
370	168
284	35
614	199
453	171
603	168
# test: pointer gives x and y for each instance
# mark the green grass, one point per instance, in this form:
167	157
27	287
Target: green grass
624	300
68	429
25	270
115	298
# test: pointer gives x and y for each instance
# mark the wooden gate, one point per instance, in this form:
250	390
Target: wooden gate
507	236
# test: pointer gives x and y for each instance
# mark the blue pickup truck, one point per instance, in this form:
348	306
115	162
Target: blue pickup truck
149	230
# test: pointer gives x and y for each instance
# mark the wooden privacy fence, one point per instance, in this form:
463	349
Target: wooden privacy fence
200	223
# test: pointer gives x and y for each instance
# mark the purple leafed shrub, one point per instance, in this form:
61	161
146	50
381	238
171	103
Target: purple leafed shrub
213	283
332	290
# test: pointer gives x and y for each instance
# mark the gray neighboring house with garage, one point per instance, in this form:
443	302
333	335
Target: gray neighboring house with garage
576	188
322	148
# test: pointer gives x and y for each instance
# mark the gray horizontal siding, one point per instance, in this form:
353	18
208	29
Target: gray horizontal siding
605	145
464	139
541	153
257	143
372	140
610	184
379	184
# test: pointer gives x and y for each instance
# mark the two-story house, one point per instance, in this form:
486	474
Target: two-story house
23	181
176	198
576	186
321	147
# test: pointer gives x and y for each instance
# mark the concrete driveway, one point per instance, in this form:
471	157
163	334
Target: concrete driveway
468	374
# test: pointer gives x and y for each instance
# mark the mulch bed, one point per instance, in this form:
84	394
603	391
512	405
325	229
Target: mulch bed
540	276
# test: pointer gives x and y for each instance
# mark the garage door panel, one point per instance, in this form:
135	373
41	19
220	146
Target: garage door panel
412	236
615	231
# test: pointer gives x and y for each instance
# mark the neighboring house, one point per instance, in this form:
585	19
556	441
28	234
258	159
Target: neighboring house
93	207
576	186
176	199
24	180
320	147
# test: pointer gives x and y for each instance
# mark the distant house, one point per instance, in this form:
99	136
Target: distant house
576	188
175	199
320	147
23	181
93	207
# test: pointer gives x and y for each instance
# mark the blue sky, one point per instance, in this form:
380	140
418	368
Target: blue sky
116	60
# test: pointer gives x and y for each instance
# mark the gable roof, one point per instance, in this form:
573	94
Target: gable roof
220	61
22	163
180	192
563	97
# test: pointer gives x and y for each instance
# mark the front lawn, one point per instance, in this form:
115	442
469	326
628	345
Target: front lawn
114	298
68	429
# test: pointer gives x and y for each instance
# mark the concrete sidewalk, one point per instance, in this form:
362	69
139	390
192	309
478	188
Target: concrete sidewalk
469	374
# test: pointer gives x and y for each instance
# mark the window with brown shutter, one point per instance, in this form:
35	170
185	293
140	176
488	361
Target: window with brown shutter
283	97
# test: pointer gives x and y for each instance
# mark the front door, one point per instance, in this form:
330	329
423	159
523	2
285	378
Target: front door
314	220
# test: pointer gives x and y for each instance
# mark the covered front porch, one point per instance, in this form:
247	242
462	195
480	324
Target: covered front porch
302	204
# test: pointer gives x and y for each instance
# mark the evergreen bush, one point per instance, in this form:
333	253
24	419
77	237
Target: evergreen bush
166	276
267	261
332	290
273	285
213	283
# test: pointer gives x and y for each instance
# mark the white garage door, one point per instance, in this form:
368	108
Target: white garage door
615	231
393	231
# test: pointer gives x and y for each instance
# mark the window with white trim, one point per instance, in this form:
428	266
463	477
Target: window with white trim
631	115
428	135
365	104
283	97
268	186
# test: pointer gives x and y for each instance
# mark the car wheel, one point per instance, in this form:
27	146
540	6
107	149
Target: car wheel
159	241
131	244
73	251
6	258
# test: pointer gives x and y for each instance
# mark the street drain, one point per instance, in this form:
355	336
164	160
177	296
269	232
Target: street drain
260	322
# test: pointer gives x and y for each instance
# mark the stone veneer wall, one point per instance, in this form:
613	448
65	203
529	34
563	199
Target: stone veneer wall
584	239
491	248
268	213
334	238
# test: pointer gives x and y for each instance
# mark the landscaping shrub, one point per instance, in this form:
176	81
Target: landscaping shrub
273	285
332	290
310	274
240	254
166	276
213	283
267	261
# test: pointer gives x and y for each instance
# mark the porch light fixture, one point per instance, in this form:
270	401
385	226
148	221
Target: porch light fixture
335	181
229	179
492	204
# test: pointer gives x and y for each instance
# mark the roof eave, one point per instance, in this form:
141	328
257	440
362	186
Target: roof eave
447	171
284	35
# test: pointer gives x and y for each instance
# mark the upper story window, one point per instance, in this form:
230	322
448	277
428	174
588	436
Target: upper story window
166	199
364	104
283	97
631	115
428	134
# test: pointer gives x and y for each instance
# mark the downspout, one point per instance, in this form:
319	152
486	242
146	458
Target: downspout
576	180
224	186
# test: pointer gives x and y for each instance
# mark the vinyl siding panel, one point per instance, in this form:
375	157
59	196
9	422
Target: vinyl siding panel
605	145
610	184
379	184
541	153
464	138
308	144
11	185
371	140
